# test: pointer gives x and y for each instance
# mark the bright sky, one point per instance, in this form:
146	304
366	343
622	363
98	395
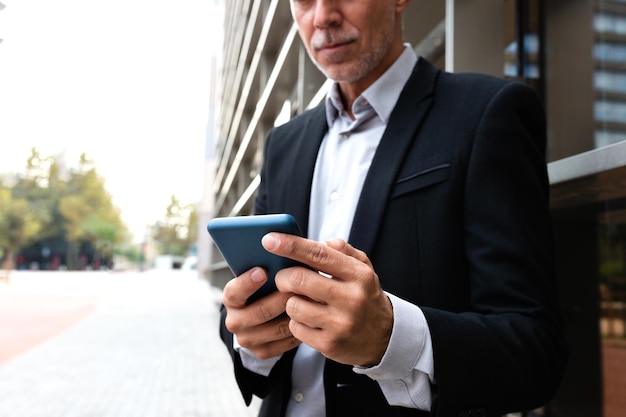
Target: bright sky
125	81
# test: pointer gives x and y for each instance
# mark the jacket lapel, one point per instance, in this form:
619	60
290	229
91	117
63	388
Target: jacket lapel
304	157
413	105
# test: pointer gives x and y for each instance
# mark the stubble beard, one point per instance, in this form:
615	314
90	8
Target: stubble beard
338	67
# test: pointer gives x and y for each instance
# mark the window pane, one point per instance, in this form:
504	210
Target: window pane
612	273
609	75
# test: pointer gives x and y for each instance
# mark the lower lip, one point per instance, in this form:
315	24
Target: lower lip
334	48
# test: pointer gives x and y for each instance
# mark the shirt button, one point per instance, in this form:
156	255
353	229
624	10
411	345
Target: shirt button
334	196
345	135
299	397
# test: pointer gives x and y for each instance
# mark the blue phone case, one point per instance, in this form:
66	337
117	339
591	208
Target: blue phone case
239	241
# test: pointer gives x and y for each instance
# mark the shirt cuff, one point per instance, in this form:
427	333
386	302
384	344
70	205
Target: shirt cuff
251	362
406	370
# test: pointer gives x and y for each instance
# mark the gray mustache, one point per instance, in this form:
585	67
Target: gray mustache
327	38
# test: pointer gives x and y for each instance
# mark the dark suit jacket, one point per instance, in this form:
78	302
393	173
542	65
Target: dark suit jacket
454	216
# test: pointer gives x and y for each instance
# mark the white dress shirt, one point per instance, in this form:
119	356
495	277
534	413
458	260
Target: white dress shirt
406	370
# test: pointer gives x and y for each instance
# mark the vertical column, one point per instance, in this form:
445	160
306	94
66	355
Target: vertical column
475	36
310	79
569	77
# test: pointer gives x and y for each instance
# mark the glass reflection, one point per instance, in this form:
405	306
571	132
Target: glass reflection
612	273
609	77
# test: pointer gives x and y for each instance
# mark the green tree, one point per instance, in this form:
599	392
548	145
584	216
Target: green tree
192	227
103	234
18	226
176	233
70	206
42	187
88	212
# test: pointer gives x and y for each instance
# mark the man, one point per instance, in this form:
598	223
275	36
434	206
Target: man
443	301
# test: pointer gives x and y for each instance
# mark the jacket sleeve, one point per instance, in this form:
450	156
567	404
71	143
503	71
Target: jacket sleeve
505	352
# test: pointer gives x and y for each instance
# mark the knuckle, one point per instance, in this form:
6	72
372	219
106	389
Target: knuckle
350	327
290	245
227	293
292	307
263	352
345	324
293	327
341	244
297	278
262	313
362	256
283	329
245	341
319	254
363	272
233	325
359	298
231	295
293	342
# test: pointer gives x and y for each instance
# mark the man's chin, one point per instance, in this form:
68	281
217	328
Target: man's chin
340	73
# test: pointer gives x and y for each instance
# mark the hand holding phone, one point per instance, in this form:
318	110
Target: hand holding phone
239	241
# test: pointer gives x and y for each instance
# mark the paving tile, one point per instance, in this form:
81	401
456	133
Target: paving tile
150	349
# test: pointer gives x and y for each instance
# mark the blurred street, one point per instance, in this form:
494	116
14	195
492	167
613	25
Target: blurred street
104	344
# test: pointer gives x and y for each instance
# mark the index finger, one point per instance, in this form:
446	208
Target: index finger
346	248
317	255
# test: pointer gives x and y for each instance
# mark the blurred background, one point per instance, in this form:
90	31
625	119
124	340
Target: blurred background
104	111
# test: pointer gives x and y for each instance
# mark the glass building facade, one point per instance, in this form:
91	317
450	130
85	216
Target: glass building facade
572	52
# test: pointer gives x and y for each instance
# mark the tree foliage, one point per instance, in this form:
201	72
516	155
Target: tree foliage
62	203
177	232
88	211
18	225
50	203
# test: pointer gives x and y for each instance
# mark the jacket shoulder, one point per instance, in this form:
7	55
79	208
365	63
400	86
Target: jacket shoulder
479	85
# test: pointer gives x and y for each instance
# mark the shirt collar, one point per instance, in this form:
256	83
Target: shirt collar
383	94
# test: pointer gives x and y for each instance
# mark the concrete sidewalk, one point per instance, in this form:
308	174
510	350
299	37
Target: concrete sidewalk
150	348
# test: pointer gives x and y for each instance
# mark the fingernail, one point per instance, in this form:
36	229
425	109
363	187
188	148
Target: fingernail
257	275
269	241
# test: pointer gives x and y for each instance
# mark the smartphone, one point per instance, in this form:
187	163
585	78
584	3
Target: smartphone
239	241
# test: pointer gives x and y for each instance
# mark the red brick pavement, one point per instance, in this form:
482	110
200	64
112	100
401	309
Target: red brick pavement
28	318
